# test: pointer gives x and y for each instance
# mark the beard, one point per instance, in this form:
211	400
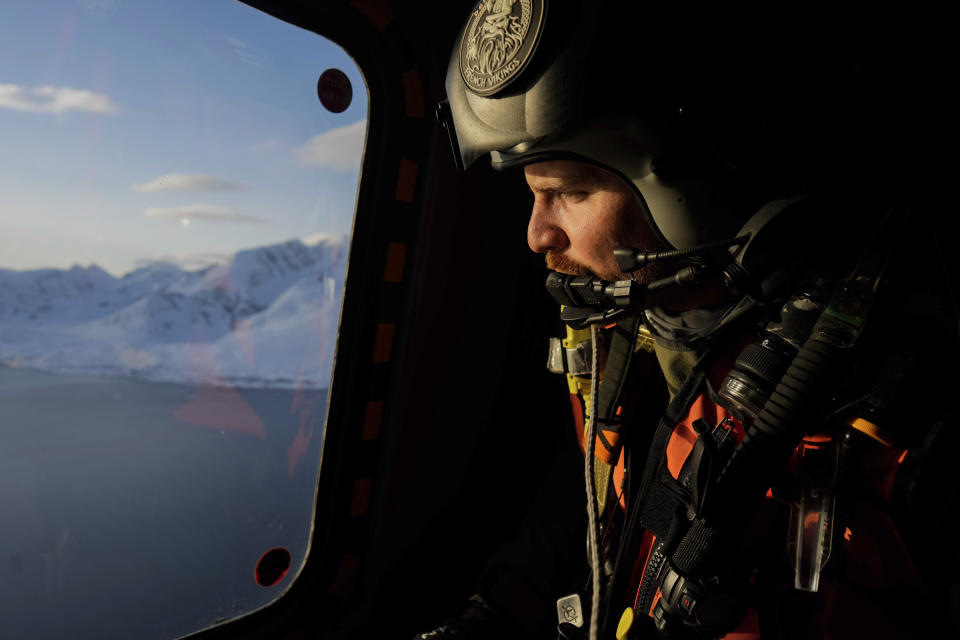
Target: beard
563	264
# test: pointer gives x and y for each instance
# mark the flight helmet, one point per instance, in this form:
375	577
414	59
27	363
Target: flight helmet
596	82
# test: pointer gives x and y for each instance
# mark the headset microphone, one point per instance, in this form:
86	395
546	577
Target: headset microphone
588	301
632	259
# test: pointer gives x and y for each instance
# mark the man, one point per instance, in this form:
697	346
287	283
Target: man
753	396
580	215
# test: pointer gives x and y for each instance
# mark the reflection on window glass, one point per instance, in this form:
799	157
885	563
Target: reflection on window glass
175	207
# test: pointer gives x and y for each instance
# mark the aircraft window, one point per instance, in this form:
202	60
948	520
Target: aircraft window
176	210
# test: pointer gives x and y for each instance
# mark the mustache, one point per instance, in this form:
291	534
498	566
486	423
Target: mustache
563	264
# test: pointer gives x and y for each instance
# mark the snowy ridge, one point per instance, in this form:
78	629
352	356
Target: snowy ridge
267	317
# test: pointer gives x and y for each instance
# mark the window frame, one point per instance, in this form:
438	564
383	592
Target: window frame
389	217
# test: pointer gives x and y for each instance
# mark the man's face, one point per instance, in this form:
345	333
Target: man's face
580	215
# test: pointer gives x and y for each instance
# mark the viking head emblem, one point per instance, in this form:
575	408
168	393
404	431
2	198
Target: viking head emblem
498	41
496	38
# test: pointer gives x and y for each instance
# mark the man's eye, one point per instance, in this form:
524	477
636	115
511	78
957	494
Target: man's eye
574	196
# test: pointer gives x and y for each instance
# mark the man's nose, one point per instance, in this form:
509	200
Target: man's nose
544	232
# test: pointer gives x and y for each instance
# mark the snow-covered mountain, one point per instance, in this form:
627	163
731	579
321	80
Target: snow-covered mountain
266	317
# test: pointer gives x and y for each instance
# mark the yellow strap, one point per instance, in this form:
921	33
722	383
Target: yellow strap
580	385
872	430
645	341
602	472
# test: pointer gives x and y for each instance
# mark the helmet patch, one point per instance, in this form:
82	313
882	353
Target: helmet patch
498	41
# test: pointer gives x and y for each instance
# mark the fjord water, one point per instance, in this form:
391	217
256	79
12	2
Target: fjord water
139	509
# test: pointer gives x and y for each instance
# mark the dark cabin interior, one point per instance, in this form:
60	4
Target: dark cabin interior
443	419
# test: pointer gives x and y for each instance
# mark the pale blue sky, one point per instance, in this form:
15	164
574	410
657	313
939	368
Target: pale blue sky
134	130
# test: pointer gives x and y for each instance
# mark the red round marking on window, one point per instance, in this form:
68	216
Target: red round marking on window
272	567
334	90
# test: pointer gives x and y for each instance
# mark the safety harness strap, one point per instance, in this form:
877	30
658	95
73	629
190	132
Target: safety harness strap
658	500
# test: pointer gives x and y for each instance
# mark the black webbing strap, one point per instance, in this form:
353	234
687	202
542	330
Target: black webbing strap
619	354
657	502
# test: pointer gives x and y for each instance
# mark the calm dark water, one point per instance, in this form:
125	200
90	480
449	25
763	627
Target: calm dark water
132	509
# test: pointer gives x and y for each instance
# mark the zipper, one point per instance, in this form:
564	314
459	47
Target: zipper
651	577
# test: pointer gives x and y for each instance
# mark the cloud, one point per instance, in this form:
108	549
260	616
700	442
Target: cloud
55	100
186	261
248	53
181	182
340	148
323	238
201	212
